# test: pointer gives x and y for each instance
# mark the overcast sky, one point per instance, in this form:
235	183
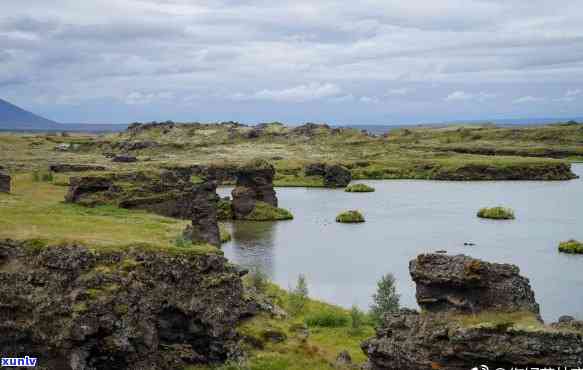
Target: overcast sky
366	61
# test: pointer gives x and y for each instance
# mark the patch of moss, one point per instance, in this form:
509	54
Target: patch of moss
80	307
225	235
266	212
497	213
520	320
352	216
224	210
571	246
359	188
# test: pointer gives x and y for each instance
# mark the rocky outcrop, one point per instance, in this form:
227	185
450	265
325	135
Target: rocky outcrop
335	176
310	129
552	170
475	313
82	189
205	228
124	158
132	308
466	285
129	145
5	182
254	184
221	173
69	167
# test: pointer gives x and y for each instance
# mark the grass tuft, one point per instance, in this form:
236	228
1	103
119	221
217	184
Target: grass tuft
350	217
497	213
266	212
359	188
571	246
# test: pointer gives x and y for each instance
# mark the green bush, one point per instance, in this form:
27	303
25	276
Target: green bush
350	217
571	246
266	212
496	213
386	298
257	279
359	188
298	297
38	176
356	320
327	319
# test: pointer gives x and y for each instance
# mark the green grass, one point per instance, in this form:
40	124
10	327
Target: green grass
496	213
328	319
352	216
359	188
520	320
266	212
37	211
571	246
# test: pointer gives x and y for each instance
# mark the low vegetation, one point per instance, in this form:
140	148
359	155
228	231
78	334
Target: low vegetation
521	320
571	246
386	299
359	188
266	212
497	213
352	216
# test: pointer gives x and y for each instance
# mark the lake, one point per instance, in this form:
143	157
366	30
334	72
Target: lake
342	262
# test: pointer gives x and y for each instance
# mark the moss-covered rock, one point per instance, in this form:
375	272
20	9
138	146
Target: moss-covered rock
497	213
359	188
571	246
352	216
266	212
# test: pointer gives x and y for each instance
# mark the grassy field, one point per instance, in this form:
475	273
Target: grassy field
415	153
35	210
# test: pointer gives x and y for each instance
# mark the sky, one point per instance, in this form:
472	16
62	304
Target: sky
341	62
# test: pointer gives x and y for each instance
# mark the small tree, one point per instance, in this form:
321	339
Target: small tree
258	280
386	298
357	318
299	296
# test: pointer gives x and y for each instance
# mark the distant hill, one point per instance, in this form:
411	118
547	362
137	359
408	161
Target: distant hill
13	117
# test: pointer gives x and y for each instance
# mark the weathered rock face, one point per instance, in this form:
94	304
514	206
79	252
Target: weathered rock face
129	145
68	167
82	187
205	228
309	129
220	173
133	309
335	176
467	285
451	290
5	182
254	183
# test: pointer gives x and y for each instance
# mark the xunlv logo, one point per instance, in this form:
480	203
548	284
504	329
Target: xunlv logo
19	361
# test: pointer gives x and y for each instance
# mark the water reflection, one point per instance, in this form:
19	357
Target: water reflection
253	245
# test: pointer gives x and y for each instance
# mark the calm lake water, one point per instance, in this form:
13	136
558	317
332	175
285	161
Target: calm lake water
405	218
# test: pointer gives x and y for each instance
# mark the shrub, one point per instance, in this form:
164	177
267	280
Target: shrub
266	212
386	298
496	213
38	176
298	296
327	319
356	320
359	188
257	279
350	217
571	246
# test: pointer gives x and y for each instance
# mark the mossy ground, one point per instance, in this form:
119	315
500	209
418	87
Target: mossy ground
352	216
359	188
317	352
266	212
571	247
35	210
497	213
415	153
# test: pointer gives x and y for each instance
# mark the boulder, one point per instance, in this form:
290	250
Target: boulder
254	184
335	176
467	285
124	158
69	167
343	360
474	312
5	182
133	308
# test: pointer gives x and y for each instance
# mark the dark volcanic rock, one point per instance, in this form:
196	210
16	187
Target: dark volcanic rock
464	284
215	172
87	185
5	182
335	176
205	228
68	167
254	183
475	313
134	309
309	129
520	171
124	158
127	145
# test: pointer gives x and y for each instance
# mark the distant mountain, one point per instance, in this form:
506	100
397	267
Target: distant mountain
15	118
